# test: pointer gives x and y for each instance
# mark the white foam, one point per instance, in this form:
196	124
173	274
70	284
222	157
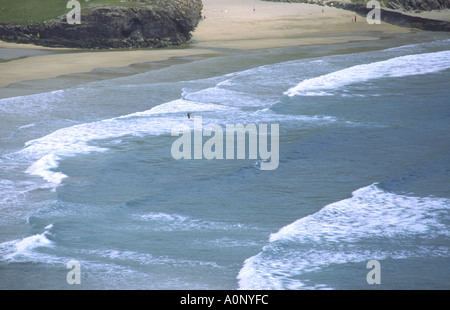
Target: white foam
28	244
24	249
212	102
177	106
43	167
47	151
226	97
31	104
344	232
27	126
370	211
175	222
395	67
149	259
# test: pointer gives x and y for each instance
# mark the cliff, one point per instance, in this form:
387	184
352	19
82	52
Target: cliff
418	5
405	5
393	17
396	18
148	23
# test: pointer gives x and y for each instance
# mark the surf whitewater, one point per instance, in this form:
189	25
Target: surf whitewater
362	175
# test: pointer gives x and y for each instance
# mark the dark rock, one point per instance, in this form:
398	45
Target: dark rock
418	5
396	18
154	23
406	5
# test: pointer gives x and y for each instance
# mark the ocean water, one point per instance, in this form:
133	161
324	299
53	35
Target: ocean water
87	174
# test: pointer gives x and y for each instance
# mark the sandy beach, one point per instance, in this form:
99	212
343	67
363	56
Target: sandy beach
253	24
228	24
49	66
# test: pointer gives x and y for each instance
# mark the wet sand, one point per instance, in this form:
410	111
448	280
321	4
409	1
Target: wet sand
229	25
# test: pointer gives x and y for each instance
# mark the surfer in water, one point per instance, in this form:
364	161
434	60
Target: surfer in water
189	115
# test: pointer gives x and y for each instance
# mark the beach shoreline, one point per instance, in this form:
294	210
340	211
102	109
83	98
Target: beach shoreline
355	115
228	26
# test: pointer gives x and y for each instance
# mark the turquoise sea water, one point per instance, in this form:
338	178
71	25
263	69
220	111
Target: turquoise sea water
87	174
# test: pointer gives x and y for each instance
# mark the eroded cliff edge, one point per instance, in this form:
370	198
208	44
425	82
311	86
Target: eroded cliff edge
148	23
393	17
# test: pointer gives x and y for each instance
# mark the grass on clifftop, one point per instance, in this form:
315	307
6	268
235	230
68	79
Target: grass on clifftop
34	11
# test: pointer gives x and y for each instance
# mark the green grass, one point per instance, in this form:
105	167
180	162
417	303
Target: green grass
35	11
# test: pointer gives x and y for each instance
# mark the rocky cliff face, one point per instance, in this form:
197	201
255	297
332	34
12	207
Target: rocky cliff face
395	18
406	5
153	23
418	5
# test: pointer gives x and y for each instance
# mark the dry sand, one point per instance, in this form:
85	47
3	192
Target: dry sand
231	24
255	24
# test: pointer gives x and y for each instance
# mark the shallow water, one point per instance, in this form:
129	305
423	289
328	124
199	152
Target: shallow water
87	174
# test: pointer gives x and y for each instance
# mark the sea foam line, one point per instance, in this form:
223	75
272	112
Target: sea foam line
22	249
47	151
409	65
347	231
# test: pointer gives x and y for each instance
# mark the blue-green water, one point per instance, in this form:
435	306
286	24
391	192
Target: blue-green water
87	174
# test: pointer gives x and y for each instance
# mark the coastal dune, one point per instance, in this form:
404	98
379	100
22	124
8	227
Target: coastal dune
227	24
